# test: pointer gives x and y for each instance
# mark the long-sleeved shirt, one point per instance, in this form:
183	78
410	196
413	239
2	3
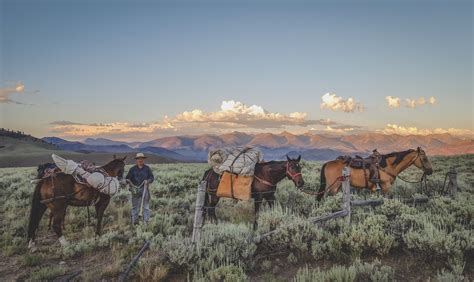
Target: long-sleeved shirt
138	175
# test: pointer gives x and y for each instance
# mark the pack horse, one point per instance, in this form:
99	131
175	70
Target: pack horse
262	185
70	184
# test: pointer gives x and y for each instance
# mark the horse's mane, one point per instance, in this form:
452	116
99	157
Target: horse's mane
399	156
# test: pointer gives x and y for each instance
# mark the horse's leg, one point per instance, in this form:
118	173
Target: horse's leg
270	198
36	213
58	219
99	210
211	209
50	220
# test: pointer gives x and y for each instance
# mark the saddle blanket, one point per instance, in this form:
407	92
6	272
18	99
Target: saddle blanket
235	186
237	160
96	179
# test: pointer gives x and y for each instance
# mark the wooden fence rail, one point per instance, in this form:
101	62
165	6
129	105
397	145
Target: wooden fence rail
346	211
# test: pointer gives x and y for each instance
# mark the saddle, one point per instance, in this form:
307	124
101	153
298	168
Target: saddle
356	162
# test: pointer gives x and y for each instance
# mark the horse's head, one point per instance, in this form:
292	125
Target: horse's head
116	167
422	162
293	171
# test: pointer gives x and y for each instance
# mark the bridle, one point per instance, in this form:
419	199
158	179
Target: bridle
423	177
288	173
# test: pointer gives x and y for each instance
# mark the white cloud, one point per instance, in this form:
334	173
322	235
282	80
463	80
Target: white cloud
407	130
432	100
232	115
413	103
393	102
336	103
13	89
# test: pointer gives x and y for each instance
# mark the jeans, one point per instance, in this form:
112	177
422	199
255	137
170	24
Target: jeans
136	204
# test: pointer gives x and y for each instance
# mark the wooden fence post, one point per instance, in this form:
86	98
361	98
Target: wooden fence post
346	192
198	220
453	182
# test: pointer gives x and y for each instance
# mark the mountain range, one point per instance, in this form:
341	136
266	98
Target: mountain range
275	146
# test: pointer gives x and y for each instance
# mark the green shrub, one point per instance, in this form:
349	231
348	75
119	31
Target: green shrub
227	273
47	273
31	260
358	271
220	245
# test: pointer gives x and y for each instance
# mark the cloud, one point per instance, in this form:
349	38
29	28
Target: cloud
232	115
393	102
413	103
403	130
336	103
65	122
16	88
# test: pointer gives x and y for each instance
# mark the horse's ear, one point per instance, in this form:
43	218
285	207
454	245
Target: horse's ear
288	158
298	159
115	156
418	149
123	159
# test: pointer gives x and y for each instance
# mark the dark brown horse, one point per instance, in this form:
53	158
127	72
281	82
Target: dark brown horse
61	190
266	177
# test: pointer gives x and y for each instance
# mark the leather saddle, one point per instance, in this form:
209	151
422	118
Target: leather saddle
356	162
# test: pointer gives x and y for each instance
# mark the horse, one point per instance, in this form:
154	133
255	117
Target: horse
266	177
390	166
61	190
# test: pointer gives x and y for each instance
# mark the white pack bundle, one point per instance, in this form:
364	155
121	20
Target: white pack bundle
103	183
237	160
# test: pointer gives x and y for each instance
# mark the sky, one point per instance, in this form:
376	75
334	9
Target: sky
138	70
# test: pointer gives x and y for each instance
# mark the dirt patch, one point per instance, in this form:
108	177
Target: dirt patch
406	266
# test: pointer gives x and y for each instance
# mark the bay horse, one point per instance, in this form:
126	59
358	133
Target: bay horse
266	177
61	190
390	166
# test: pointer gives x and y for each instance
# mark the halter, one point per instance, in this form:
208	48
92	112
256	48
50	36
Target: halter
289	174
411	163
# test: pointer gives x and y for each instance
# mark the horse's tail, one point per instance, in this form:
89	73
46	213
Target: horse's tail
36	212
322	183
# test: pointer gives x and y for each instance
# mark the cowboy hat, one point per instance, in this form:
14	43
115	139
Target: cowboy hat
140	156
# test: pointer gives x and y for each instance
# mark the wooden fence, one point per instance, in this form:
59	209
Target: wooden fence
347	204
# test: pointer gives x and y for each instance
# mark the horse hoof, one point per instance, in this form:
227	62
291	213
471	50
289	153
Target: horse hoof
63	241
32	246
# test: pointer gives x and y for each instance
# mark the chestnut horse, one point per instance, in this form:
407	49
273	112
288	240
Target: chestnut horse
264	184
390	166
61	190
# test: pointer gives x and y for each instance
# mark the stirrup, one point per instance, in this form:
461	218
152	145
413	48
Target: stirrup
378	187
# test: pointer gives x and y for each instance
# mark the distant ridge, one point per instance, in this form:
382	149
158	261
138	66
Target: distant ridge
102	145
276	146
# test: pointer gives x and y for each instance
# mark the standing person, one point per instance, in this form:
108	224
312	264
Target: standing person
141	176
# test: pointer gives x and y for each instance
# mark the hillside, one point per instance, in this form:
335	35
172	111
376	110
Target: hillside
19	150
